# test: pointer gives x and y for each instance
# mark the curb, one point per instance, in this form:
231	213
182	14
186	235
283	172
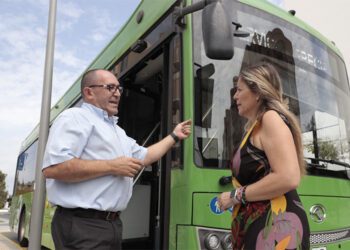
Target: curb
7	244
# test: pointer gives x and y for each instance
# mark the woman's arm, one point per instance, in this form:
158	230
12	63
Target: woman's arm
277	142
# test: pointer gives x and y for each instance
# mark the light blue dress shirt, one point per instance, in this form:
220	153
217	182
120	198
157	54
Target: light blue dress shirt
88	133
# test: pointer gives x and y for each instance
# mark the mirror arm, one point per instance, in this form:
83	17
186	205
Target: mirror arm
181	12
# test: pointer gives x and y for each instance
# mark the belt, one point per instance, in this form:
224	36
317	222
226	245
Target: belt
90	213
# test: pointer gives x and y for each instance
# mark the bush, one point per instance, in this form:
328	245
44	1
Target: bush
3	192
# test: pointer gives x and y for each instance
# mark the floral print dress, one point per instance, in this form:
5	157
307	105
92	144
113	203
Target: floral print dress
280	223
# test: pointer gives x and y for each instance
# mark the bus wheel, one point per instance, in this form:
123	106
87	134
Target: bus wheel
23	242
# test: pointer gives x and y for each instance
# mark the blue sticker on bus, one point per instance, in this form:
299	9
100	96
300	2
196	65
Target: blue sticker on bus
214	206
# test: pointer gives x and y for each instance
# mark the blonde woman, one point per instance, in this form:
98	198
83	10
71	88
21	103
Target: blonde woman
266	168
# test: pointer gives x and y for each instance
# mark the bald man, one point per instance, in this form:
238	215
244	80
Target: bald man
89	165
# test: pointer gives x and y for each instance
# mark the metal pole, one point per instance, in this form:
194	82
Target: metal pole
38	203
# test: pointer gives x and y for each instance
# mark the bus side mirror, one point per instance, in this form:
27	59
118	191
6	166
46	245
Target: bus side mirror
9	199
217	32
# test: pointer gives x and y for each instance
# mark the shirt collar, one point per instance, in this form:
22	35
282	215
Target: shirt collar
100	112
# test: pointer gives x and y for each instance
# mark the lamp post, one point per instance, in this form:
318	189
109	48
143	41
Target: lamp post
39	190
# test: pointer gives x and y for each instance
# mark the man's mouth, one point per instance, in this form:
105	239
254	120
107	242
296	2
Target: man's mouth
114	102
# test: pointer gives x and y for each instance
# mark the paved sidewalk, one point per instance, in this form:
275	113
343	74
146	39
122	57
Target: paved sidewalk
7	242
7	238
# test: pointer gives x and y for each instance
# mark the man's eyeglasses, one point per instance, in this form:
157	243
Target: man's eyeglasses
110	87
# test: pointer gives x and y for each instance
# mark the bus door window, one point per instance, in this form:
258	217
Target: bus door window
176	94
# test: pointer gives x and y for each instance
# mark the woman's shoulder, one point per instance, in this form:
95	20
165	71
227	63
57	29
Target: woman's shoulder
272	121
271	116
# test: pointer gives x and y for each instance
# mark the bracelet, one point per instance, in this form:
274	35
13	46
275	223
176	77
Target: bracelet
238	195
233	193
244	199
233	196
175	137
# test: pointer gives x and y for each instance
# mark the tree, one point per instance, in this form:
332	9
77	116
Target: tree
3	192
326	150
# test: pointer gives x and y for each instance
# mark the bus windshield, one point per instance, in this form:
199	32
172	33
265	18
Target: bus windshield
314	81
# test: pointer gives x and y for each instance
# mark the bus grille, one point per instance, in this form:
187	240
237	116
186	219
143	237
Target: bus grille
329	237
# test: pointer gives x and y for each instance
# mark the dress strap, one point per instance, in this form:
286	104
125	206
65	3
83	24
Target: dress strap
235	182
247	134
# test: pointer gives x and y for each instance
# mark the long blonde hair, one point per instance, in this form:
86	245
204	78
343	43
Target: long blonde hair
264	80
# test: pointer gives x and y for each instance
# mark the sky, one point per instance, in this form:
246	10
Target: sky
83	29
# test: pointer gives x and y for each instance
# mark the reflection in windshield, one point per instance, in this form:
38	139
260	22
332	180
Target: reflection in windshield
326	138
314	83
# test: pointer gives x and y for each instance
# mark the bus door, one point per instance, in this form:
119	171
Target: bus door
140	116
150	108
148	111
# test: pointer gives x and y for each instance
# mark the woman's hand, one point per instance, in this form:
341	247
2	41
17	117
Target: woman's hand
225	201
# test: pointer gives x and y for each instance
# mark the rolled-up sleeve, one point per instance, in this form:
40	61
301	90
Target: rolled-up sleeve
67	139
137	151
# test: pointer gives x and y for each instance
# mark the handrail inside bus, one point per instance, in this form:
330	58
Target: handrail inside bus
208	112
143	144
207	145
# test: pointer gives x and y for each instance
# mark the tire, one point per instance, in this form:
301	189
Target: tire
22	240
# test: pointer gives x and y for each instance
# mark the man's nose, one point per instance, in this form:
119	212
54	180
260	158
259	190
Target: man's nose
117	93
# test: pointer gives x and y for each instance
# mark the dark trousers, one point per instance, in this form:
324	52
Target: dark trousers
70	231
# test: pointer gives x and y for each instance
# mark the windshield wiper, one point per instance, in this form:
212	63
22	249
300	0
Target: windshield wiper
316	168
339	163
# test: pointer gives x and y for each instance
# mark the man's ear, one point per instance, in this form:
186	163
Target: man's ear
87	93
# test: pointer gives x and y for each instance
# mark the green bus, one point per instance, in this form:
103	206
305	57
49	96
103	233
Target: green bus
177	63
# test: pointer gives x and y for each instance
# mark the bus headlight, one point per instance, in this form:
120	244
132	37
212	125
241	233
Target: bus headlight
226	242
214	238
212	241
